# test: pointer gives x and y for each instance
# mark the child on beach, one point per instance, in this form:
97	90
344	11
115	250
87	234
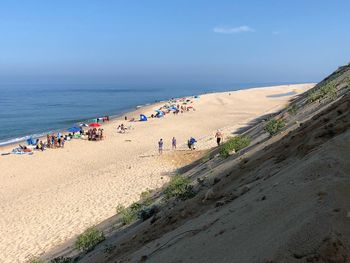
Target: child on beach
160	146
219	137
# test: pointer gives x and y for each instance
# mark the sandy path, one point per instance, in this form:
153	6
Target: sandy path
49	197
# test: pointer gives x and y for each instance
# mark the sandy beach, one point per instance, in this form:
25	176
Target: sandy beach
51	196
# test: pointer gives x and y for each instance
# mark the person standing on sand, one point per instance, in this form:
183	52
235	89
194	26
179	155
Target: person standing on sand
173	143
219	137
160	146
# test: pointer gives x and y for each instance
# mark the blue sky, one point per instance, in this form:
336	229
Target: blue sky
189	41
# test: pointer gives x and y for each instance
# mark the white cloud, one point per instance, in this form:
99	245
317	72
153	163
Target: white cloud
233	30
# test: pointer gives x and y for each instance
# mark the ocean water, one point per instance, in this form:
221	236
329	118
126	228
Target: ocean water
35	109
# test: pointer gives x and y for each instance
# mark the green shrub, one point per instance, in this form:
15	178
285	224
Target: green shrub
274	126
126	213
292	109
179	187
129	214
313	96
146	197
236	143
89	239
328	91
348	82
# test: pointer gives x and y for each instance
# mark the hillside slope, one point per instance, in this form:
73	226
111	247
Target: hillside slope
285	198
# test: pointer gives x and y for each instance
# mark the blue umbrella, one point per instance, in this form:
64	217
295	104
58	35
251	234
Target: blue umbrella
74	129
159	113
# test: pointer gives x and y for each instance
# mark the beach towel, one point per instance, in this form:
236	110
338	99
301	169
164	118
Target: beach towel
21	151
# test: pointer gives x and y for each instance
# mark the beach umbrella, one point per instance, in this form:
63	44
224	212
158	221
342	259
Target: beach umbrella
94	125
83	125
159	113
74	129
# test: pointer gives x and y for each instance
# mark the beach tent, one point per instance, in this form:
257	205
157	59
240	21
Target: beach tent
143	117
74	129
159	113
31	141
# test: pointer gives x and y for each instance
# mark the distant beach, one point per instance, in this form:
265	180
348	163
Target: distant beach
51	196
34	110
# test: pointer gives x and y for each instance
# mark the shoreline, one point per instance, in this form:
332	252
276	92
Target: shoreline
113	118
52	196
42	135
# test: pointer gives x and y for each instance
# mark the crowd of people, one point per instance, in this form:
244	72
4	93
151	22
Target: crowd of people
95	134
58	140
53	141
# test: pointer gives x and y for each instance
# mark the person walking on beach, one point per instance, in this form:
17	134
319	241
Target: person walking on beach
219	137
173	143
160	146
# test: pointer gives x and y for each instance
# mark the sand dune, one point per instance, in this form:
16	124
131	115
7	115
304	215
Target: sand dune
54	195
284	198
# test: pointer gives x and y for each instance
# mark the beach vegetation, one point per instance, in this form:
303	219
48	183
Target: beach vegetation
234	144
138	210
129	214
274	126
328	91
62	260
89	239
146	197
126	214
179	187
348	82
134	212
313	96
293	109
